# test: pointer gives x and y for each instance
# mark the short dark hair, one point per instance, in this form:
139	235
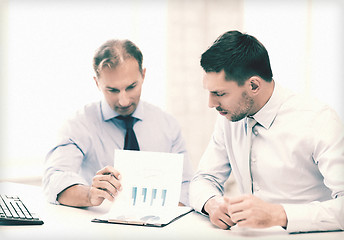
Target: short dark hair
240	55
113	52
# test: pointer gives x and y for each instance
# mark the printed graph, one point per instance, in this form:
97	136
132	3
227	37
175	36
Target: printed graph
149	179
143	196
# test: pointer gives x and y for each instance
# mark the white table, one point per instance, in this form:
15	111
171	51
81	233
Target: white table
62	222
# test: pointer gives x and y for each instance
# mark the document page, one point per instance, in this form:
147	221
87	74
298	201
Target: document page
149	179
151	185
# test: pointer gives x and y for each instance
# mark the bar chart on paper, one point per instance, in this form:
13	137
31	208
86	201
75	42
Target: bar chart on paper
149	179
151	197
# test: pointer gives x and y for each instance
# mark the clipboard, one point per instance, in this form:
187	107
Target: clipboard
151	184
145	217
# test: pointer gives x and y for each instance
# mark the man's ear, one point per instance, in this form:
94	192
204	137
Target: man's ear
143	74
96	80
255	83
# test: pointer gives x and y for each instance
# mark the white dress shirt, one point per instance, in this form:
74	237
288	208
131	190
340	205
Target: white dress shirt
88	139
297	160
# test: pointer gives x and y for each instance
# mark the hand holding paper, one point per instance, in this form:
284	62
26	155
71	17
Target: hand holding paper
151	183
149	179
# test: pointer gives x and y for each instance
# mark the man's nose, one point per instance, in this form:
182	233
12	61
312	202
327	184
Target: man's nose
213	102
123	99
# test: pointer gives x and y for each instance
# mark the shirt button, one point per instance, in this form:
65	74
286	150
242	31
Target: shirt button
256	187
255	132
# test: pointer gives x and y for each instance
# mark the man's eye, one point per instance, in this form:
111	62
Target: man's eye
219	94
131	87
113	90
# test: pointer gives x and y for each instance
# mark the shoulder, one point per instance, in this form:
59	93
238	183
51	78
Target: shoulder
160	120
154	112
80	127
309	114
307	106
84	117
87	112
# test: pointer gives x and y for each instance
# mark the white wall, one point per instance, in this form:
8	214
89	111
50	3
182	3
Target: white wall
304	39
47	49
48	75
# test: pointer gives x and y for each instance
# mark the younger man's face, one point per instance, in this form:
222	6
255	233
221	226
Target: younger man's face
230	100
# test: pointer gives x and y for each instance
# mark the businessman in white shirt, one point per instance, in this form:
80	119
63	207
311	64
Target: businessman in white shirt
79	167
286	151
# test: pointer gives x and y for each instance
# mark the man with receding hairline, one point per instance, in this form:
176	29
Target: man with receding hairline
78	169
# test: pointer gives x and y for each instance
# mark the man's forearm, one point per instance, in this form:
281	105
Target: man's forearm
76	195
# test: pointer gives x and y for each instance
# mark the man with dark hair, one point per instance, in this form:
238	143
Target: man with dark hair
79	168
286	151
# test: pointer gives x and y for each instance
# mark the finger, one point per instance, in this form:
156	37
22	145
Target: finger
103	184
114	174
113	181
220	223
245	223
237	199
239	217
108	178
109	170
226	200
223	223
236	207
106	185
228	220
96	194
222	220
226	225
104	194
240	203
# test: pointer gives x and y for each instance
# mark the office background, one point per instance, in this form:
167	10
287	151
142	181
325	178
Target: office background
47	49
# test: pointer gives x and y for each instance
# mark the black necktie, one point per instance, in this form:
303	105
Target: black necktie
130	142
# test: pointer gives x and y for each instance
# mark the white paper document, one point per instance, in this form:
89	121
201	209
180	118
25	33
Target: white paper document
151	186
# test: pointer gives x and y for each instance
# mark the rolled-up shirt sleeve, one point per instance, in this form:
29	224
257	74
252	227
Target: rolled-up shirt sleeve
62	170
63	163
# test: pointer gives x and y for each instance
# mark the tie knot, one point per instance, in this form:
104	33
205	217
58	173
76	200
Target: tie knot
128	120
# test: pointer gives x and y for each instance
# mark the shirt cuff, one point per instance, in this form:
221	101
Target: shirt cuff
297	216
315	216
200	193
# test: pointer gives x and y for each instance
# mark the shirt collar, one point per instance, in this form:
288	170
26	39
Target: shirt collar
267	114
108	113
